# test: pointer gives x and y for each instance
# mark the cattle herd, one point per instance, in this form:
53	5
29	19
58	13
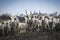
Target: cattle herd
31	23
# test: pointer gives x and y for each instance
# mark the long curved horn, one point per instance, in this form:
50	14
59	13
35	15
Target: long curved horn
26	12
39	12
30	12
34	11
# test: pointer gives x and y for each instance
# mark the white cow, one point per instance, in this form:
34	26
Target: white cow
4	28
13	24
46	23
58	20
26	19
23	26
0	25
1	29
50	19
35	22
43	17
54	23
40	22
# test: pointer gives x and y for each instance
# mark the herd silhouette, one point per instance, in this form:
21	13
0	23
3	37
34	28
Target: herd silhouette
33	22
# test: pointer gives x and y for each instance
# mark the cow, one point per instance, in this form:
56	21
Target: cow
40	23
24	25
45	23
34	23
1	29
54	23
29	21
4	28
13	24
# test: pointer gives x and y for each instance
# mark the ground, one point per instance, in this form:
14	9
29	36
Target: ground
33	36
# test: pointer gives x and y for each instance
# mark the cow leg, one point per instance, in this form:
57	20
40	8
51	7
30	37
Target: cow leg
3	31
50	24
45	26
14	30
40	27
48	27
53	26
0	32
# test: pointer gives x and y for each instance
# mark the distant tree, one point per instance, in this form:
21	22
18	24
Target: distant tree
59	16
21	15
26	12
40	12
5	16
54	14
35	13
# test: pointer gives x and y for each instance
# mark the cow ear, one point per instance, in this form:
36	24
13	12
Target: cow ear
24	17
48	18
2	22
26	12
14	18
52	18
32	15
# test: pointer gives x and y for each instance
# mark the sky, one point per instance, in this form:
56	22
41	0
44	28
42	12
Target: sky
19	6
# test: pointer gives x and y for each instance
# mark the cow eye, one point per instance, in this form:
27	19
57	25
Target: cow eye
2	23
40	17
36	17
26	16
14	18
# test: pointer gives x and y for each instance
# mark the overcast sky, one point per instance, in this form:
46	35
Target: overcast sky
19	6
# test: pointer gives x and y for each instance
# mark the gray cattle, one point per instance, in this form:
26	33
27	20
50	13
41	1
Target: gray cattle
13	24
4	27
22	26
40	23
45	23
54	23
